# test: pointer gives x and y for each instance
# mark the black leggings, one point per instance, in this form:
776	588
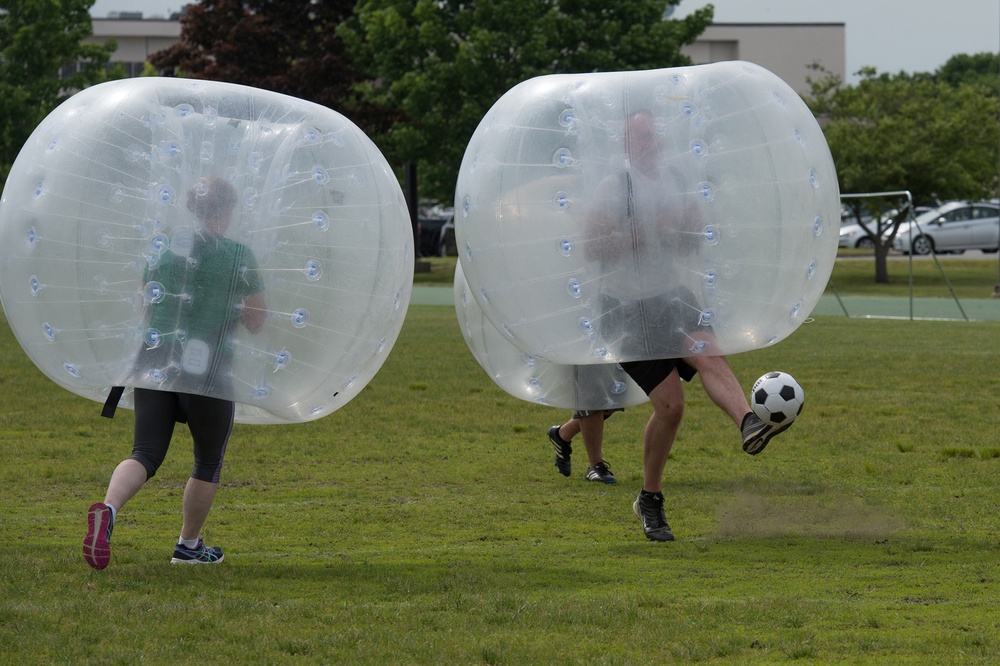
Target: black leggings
210	421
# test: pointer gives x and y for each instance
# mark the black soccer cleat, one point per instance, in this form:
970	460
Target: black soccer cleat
601	473
563	451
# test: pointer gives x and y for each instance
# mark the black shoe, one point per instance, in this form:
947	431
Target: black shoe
756	433
649	510
563	450
600	471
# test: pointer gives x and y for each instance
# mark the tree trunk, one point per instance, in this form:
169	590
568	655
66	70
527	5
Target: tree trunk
881	264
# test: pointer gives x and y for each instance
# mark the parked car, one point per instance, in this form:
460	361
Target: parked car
853	234
954	227
449	246
431	234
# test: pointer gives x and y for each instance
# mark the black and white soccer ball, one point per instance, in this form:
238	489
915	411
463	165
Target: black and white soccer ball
776	398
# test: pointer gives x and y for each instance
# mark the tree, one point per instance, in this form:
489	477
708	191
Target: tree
908	132
443	63
286	46
979	69
37	39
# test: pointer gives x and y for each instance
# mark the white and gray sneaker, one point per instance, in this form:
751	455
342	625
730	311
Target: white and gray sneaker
756	433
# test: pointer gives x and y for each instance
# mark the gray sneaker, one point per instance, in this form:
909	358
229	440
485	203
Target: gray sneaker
756	433
200	554
600	472
563	450
649	510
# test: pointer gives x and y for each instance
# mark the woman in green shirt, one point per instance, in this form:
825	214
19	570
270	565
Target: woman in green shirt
197	299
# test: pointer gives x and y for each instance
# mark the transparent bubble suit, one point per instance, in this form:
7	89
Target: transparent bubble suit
578	387
633	215
96	202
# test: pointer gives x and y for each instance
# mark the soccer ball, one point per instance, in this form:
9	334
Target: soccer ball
777	398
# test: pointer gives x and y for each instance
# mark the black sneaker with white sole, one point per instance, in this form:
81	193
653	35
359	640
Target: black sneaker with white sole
649	509
756	433
563	449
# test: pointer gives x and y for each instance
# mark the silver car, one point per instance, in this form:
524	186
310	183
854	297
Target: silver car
954	227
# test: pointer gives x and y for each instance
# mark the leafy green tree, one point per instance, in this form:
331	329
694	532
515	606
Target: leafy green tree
443	63
979	69
287	46
908	132
37	39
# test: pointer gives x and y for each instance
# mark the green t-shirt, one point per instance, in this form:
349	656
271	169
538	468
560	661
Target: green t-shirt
203	292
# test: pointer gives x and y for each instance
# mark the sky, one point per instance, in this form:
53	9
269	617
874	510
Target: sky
890	35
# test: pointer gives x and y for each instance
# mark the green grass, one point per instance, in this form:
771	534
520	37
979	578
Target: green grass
854	273
440	272
425	523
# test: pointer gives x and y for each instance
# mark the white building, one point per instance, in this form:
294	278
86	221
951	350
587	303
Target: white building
137	39
787	49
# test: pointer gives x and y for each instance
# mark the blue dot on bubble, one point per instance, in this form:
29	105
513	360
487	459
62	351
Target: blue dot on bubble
313	270
560	202
300	318
321	220
152	338
562	158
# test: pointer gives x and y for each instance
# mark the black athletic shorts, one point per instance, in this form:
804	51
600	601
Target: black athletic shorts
209	419
649	374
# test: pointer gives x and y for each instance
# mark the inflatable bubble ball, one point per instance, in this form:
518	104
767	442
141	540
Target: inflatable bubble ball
668	213
207	238
534	379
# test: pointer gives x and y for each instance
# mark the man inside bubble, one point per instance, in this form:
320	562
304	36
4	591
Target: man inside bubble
203	292
648	312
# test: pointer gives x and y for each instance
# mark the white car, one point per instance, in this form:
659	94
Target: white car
954	227
853	234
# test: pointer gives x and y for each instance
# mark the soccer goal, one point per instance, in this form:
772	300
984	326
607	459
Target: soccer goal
874	219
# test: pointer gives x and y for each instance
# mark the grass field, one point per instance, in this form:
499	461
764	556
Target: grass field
970	278
425	522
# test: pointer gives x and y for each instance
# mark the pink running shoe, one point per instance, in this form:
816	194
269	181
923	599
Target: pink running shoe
97	543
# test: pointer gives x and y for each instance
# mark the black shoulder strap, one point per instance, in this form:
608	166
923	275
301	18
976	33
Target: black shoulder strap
111	404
